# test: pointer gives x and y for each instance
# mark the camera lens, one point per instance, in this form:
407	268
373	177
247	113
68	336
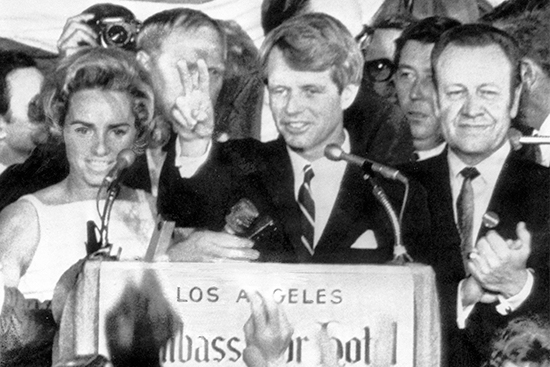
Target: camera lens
116	35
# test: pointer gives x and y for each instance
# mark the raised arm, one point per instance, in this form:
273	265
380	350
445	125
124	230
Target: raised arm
76	35
193	110
19	236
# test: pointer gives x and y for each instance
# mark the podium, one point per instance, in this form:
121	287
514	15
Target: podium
365	315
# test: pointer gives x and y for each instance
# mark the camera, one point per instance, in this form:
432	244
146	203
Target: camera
116	32
115	25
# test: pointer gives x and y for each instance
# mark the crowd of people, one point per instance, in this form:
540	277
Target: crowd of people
446	103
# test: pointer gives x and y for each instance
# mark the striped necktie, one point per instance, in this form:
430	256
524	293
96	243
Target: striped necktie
307	208
465	212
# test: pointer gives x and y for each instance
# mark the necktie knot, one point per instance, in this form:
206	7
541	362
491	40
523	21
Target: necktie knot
469	173
308	174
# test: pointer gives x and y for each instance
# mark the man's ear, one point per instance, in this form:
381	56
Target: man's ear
348	95
514	107
144	60
530	73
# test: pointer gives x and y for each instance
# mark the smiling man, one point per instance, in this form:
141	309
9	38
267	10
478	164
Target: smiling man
323	211
477	81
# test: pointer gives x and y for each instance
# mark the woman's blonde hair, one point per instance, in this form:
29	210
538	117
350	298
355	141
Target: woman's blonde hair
105	69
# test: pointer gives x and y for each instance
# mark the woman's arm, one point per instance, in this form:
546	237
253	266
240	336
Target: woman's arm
19	236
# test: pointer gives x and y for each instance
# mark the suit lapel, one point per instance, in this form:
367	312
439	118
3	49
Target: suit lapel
279	181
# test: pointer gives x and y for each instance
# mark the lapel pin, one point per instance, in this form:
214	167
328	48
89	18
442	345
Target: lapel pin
490	220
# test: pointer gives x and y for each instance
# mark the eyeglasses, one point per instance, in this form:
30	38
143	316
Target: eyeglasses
379	70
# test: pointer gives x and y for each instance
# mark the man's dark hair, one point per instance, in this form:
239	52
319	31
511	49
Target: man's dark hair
531	31
511	8
427	30
479	35
275	12
397	21
10	61
316	42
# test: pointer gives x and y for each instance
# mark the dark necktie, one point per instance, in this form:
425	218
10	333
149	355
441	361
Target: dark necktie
465	212
307	207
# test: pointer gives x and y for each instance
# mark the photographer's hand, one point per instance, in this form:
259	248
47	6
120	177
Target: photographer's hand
77	34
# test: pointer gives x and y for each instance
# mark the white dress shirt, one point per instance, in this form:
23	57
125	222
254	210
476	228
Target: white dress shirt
544	148
324	185
483	186
425	154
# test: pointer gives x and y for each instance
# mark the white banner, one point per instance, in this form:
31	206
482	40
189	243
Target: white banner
364	314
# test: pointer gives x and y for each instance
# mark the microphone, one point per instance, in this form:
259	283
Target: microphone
335	153
124	159
534	140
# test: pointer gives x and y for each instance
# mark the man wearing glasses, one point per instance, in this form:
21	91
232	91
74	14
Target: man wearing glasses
379	51
414	85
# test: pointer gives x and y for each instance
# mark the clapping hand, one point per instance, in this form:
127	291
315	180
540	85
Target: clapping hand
498	266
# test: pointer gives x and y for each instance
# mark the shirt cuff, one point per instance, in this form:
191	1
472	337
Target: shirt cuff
505	305
462	312
188	166
508	305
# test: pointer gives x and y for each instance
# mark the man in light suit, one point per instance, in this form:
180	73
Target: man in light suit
313	69
477	80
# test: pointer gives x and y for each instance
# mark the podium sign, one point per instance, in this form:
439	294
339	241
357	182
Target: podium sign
355	315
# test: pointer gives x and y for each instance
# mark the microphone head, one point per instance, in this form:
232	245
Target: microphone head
126	157
334	152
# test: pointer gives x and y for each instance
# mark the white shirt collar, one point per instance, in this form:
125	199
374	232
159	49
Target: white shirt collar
425	154
544	148
319	165
489	168
545	127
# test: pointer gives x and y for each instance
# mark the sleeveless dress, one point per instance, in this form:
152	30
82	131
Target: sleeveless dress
63	236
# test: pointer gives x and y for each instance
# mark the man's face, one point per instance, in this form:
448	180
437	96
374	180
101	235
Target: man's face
476	104
21	133
416	94
306	106
382	47
189	45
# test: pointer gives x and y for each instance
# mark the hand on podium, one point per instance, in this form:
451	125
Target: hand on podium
208	246
267	332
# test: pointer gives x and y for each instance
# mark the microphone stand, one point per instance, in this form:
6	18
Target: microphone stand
106	250
400	255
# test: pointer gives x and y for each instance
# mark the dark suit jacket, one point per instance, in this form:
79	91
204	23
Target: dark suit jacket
382	126
521	194
262	172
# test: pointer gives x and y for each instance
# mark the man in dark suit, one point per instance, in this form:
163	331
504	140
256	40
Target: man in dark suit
477	179
313	68
380	122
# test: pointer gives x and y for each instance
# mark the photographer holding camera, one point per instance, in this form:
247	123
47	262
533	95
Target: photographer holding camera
105	25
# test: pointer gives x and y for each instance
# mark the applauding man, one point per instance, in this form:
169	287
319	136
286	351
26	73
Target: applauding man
478	183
